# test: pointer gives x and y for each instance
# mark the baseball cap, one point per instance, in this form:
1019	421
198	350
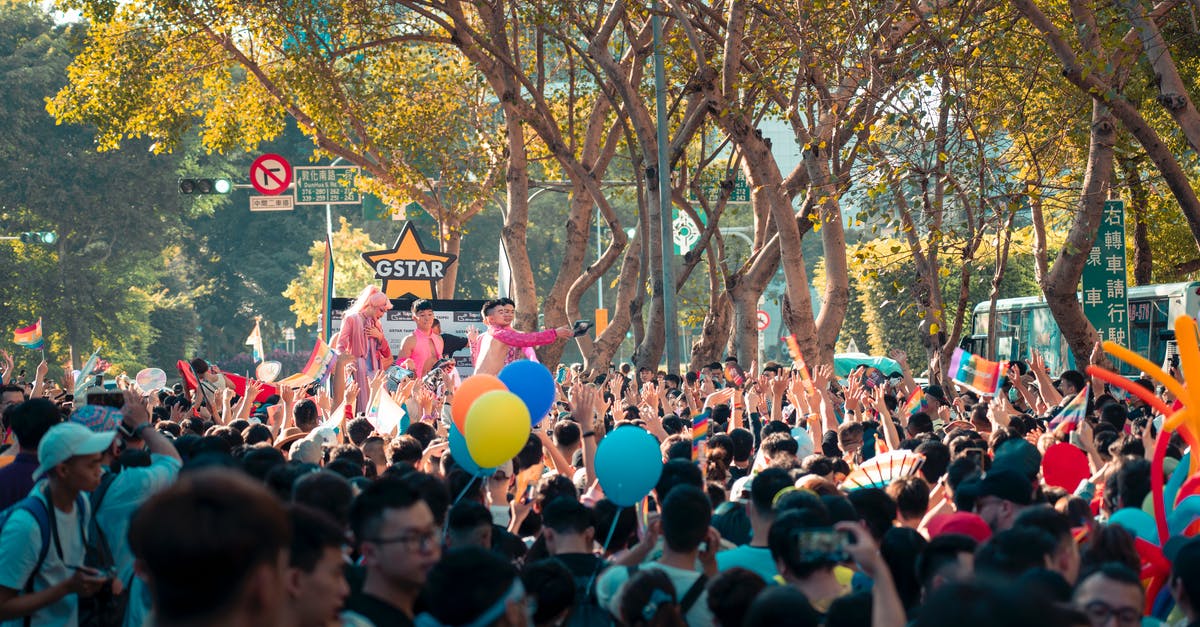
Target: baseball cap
1008	484
98	418
1019	455
66	440
740	491
937	393
962	523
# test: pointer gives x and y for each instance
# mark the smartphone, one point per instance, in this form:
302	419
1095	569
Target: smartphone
108	399
816	545
581	327
395	375
562	374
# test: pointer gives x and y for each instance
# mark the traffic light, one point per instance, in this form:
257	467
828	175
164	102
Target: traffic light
40	237
205	186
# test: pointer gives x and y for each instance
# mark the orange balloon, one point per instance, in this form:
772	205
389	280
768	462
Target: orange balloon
472	388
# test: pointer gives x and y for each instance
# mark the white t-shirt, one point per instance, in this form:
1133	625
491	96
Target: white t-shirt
20	542
611	585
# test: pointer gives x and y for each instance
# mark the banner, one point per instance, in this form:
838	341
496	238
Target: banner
974	372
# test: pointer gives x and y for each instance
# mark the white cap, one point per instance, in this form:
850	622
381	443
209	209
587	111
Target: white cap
66	440
741	489
804	442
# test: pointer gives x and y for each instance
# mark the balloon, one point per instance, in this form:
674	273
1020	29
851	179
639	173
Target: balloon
472	388
497	427
1186	512
462	456
150	379
1137	522
1065	465
267	371
628	464
533	383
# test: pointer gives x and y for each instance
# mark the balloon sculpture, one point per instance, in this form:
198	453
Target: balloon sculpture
493	415
1177	502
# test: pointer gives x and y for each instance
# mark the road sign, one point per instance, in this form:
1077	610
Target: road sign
1104	274
685	232
271	203
271	174
710	186
764	320
327	185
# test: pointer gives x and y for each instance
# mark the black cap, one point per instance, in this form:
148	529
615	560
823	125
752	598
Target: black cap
936	393
1007	484
1018	454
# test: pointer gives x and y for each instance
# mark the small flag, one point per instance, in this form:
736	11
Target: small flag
390	416
85	373
1075	410
975	372
327	291
699	435
30	337
315	370
255	341
916	402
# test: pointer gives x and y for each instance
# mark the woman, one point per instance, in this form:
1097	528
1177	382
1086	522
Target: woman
362	337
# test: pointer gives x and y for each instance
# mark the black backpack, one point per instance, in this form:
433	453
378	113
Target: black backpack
587	611
103	609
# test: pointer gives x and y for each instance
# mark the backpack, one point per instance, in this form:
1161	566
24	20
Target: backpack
103	609
587	611
37	508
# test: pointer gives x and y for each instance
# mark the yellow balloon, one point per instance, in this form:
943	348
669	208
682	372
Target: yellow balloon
497	428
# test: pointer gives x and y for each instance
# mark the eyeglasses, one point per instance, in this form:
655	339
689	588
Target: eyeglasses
1100	612
423	541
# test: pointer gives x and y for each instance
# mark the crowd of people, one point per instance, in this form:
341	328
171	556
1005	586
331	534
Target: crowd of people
200	507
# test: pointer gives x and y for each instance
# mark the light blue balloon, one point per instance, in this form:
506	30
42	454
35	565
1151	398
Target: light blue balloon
533	384
1186	513
1137	522
1174	483
462	456
628	465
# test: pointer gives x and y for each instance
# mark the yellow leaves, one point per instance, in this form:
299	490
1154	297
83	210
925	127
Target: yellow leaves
934	328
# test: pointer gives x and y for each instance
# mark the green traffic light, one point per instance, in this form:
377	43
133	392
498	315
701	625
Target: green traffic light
48	237
222	186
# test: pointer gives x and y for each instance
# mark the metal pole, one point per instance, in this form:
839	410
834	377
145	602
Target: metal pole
599	254
670	322
329	209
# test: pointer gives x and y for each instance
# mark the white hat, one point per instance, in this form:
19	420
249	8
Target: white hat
66	440
804	442
740	491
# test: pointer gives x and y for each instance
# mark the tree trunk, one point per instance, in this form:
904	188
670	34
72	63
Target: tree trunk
515	221
609	342
1062	282
451	245
1003	241
650	350
1143	259
836	297
1172	93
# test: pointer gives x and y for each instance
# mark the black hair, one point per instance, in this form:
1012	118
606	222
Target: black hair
452	603
366	514
765	486
875	508
940	552
259	460
345	468
494	303
405	449
327	492
553	587
359	429
781	605
900	548
421	305
1074	377
312	532
466	515
937	458
686	514
423	432
677	472
432	490
782	540
30	420
565	515
1131	483
911	495
636	598
1009	553
731	593
566	433
919	422
625	531
777	443
1047	519
306	415
851	610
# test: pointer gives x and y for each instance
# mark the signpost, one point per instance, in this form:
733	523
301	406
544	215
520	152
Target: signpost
710	187
327	185
686	234
271	203
270	174
1104	275
764	320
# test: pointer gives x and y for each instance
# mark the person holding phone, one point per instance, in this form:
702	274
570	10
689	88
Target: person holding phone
424	347
501	344
362	338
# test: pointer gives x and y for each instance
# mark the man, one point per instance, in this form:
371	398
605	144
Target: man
495	595
362	338
69	458
400	542
756	556
10	395
808	569
315	579
1065	560
424	347
1112	595
1185	578
120	494
29	421
469	523
685	527
213	549
501	345
1001	495
948	558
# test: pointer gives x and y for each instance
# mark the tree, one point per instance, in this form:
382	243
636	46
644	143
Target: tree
351	274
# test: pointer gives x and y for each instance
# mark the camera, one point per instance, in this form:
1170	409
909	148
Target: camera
822	545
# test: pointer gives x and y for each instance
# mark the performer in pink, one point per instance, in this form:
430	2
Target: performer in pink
362	336
424	347
501	345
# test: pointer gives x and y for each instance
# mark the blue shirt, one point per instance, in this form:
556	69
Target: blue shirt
16	479
753	558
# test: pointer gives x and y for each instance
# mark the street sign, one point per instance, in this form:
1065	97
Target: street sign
1104	300
685	233
764	320
271	174
327	185
271	203
710	186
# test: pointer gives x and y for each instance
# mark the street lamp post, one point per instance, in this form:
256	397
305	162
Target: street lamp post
670	326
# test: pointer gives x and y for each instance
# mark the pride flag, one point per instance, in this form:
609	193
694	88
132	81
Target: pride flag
316	368
1074	410
974	372
699	435
916	402
327	292
798	362
30	336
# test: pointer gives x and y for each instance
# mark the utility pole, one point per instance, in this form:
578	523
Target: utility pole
670	321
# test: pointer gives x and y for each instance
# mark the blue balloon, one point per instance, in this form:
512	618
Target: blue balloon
628	464
1184	514
462	456
1137	522
533	383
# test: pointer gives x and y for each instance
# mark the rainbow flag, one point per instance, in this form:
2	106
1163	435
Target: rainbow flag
916	402
974	372
30	336
798	362
699	435
390	416
315	370
1075	410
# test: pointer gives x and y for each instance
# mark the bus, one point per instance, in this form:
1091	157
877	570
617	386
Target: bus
1026	323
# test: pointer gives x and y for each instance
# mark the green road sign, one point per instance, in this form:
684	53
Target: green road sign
327	185
1104	275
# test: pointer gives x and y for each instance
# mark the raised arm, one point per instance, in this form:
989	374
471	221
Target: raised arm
530	340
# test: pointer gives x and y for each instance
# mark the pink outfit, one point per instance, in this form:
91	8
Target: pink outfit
369	354
420	352
520	345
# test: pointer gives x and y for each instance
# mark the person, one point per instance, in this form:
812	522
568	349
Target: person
551	592
1002	495
948	558
316	575
1185	578
362	337
213	550
651	601
29	421
212	381
731	593
1065	560
400	542
1111	595
469	523
500	345
495	596
756	556
684	525
423	348
47	589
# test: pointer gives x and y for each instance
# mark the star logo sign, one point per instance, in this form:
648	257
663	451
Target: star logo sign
408	268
